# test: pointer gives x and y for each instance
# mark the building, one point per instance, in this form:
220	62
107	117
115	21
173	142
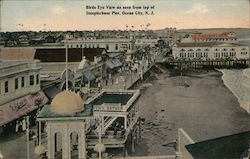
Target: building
225	147
52	59
141	43
111	45
204	38
20	93
210	51
77	129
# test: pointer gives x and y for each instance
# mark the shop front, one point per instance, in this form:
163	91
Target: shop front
13	114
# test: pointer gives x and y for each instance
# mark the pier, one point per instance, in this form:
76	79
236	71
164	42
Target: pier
207	64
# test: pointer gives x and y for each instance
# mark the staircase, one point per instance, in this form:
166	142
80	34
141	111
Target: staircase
107	122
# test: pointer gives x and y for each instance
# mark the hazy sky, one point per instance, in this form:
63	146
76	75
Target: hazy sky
17	15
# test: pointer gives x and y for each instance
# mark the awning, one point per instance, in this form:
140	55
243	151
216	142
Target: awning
21	106
51	92
117	62
113	63
88	76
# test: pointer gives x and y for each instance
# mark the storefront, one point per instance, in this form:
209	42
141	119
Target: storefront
13	114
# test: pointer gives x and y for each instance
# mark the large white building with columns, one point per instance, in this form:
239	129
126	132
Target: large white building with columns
210	51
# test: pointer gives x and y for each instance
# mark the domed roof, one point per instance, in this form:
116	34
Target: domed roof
67	102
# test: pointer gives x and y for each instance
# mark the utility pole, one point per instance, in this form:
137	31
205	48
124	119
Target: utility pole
27	136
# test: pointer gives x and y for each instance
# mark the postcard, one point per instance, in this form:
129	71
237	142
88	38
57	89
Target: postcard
135	79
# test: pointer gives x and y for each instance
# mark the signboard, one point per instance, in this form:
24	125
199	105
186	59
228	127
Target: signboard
21	106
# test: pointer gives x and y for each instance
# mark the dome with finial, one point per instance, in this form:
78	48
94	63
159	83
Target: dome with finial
66	103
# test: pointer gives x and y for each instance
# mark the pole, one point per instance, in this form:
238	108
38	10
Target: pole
100	152
27	135
39	131
67	80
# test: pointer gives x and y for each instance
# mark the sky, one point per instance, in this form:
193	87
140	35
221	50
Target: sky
61	15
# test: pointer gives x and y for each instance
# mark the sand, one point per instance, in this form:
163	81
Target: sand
198	102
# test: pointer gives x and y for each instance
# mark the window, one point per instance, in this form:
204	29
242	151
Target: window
16	83
116	46
37	79
6	86
31	80
107	46
97	45
22	82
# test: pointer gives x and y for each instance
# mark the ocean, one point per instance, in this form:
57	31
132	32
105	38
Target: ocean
238	81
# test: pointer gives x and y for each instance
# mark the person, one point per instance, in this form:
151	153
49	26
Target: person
34	137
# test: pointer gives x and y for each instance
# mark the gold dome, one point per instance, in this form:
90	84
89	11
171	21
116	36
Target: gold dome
67	102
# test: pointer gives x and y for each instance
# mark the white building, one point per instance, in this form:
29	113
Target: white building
20	91
111	45
210	51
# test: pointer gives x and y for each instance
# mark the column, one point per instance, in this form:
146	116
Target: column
139	127
51	142
132	142
125	122
82	142
65	143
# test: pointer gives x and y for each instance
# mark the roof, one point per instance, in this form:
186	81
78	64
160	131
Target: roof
17	53
88	76
49	54
47	114
113	63
227	147
51	92
67	102
122	98
211	36
74	54
207	44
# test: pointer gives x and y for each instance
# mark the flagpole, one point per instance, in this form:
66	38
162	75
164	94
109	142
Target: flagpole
67	80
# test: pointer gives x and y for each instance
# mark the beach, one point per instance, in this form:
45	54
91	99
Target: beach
198	102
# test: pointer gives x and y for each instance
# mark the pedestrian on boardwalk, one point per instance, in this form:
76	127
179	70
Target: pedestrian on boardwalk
34	137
